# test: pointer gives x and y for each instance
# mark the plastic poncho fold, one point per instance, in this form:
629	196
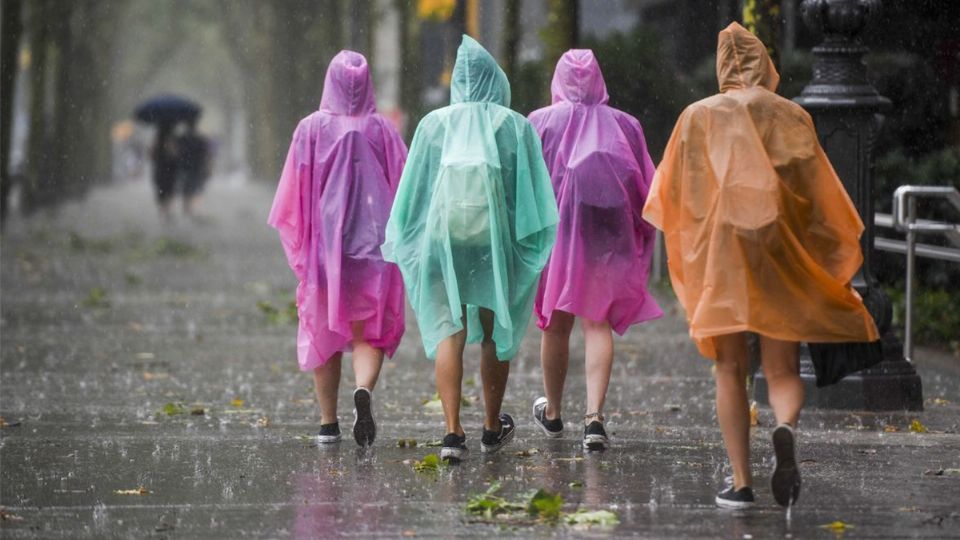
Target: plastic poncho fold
601	173
475	216
331	209
760	234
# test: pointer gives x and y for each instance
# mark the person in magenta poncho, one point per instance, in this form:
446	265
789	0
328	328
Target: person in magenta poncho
331	208
598	271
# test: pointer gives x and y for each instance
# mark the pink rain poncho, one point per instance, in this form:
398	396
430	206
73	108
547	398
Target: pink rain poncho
601	173
331	209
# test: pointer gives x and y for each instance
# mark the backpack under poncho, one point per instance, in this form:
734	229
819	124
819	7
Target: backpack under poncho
601	171
475	216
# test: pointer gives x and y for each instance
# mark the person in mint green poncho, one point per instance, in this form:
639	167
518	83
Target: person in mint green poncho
471	228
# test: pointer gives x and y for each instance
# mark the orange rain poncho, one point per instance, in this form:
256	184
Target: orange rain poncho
760	234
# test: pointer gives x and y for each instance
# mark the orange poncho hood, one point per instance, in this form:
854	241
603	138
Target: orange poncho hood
760	234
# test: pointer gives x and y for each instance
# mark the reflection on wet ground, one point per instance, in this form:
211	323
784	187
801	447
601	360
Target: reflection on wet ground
141	356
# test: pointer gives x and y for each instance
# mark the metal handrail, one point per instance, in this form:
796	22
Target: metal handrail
905	220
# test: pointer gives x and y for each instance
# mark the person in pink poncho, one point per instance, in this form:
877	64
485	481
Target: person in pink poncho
331	208
598	271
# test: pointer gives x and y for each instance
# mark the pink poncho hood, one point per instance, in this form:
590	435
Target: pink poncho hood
601	172
331	208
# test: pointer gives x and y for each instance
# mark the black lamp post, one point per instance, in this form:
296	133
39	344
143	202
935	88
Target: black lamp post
846	111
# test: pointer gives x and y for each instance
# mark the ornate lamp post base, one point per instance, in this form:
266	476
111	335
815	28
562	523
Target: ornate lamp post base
846	111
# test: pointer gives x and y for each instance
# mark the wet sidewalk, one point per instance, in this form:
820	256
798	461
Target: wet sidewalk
150	389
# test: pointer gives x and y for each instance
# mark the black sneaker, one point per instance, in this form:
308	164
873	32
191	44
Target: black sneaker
364	428
329	433
454	448
785	482
736	499
494	440
551	428
595	437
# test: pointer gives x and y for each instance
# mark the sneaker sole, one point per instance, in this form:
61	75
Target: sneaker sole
364	428
490	449
543	428
732	505
328	439
595	443
785	482
453	455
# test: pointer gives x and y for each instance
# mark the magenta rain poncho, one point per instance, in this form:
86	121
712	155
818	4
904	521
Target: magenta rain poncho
331	209
601	173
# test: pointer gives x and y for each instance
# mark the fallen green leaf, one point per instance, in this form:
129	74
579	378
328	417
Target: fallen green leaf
429	463
545	505
173	409
97	298
585	518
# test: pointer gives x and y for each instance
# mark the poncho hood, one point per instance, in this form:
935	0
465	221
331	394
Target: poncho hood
347	88
743	62
477	77
578	79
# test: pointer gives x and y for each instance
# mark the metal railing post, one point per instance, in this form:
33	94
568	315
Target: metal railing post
911	261
905	219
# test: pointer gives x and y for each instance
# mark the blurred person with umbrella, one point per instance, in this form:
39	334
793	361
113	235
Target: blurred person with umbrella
194	164
166	111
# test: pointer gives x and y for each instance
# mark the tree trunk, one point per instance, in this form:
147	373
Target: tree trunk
36	138
511	36
410	71
12	28
762	17
561	34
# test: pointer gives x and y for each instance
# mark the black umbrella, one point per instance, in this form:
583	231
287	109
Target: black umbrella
167	109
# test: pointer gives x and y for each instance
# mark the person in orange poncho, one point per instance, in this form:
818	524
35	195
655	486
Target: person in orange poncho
761	237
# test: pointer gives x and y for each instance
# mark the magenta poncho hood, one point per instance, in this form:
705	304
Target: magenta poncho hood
331	208
601	172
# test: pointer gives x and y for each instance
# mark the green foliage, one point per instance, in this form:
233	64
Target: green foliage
936	313
545	505
277	316
173	409
586	518
487	504
98	297
79	243
429	464
539	506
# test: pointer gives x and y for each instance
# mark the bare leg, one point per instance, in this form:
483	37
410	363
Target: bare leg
781	367
554	360
493	374
733	412
449	374
598	338
326	380
367	359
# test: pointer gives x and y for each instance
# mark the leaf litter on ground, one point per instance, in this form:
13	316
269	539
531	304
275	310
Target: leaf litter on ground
540	506
137	491
97	297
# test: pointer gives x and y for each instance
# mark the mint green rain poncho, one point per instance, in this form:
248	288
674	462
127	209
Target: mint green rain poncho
475	215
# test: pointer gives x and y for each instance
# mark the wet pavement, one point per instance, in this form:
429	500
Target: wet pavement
135	355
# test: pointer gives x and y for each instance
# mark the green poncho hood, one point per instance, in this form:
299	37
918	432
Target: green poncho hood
477	77
475	216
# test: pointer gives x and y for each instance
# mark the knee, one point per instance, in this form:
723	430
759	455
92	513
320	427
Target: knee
780	372
560	326
728	367
595	327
